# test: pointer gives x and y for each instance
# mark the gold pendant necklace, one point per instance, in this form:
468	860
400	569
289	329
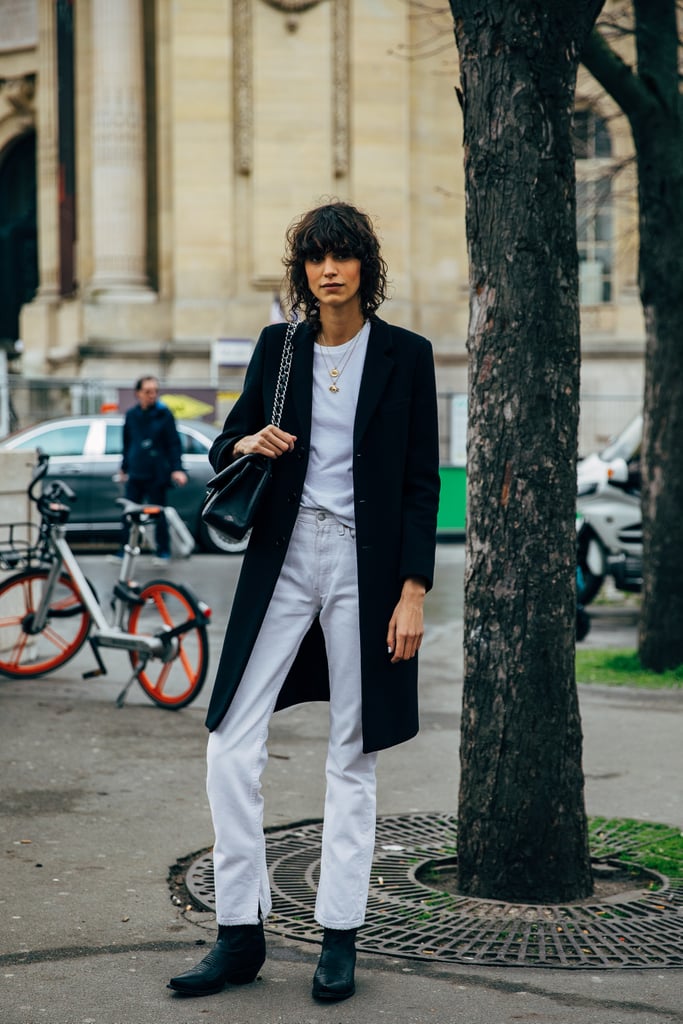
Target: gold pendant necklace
335	372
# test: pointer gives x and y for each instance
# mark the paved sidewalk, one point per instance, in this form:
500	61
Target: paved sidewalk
98	803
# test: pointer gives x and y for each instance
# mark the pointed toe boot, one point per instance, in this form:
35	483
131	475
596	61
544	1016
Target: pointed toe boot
236	959
334	976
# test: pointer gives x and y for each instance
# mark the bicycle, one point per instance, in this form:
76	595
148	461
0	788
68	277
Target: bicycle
49	608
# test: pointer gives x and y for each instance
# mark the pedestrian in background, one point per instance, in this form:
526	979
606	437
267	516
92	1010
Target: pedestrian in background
329	604
152	456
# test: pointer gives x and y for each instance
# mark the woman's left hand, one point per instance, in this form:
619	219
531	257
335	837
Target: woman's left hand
406	627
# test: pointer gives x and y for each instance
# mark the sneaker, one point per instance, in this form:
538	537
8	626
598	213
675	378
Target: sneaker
115	559
161	560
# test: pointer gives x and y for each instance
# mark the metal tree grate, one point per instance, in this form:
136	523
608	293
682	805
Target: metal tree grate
408	918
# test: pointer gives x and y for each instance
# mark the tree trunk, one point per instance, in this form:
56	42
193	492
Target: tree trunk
652	102
658	135
522	822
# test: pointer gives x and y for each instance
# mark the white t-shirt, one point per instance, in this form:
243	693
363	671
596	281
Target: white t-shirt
329	477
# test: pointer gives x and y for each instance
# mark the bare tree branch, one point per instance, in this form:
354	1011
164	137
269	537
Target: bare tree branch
615	76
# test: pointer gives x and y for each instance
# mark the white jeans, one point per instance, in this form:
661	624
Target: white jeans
318	577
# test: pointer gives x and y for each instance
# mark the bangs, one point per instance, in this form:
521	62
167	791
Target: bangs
329	233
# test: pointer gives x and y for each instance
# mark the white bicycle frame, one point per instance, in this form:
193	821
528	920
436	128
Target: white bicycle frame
106	634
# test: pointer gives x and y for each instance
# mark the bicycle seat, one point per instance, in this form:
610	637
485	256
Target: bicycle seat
137	512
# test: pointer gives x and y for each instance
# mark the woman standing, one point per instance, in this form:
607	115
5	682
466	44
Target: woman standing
329	604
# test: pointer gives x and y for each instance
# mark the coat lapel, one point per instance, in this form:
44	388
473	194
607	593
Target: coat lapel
379	362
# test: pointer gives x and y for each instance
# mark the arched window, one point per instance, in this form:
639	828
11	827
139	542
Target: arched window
594	207
18	235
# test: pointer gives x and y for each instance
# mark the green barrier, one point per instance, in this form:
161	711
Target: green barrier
452	503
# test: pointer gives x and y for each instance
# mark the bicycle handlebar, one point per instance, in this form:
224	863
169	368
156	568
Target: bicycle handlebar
57	488
39	472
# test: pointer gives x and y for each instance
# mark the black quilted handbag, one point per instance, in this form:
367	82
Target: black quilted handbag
234	495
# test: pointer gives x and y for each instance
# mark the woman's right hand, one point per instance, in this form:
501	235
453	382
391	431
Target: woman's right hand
271	442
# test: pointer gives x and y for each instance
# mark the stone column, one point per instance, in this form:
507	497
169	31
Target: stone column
47	155
38	318
118	176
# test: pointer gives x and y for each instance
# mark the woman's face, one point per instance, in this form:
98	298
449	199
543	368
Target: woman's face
334	280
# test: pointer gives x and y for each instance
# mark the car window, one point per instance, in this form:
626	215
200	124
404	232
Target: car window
190	444
66	440
113	442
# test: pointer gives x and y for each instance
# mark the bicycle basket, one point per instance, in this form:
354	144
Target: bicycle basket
18	545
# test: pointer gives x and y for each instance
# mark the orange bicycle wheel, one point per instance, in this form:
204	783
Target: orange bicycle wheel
173	681
25	654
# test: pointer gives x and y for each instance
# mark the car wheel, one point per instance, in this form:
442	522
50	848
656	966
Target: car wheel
583	623
589	556
217	543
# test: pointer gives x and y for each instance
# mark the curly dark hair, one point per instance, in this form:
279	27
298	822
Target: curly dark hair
342	229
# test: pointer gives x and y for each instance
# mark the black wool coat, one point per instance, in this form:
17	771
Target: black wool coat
396	492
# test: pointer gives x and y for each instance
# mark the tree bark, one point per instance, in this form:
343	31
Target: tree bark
652	102
522	822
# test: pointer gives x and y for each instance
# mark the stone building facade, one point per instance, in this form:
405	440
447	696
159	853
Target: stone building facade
160	149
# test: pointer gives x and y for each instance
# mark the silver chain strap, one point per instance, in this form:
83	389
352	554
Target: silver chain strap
283	374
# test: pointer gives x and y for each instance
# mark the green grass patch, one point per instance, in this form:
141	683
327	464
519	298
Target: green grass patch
621	667
649	844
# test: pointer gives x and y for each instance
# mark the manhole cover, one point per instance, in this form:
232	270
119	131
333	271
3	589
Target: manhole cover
408	918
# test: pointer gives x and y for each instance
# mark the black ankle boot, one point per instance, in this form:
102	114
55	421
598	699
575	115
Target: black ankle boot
333	978
236	958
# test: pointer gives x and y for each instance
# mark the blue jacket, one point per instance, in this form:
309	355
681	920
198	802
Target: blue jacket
151	446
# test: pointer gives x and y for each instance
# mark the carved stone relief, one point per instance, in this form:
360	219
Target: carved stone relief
17	100
243	72
242	85
292	6
340	86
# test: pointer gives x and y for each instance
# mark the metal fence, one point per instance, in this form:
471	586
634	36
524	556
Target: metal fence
602	417
26	402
